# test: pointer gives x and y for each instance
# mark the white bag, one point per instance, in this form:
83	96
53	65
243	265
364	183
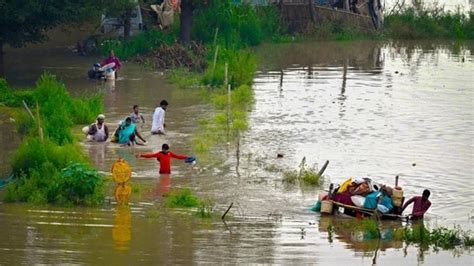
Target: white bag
358	200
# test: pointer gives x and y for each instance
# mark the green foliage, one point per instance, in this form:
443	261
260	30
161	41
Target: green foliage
33	153
58	110
76	184
425	23
139	44
242	65
205	209
11	98
238	24
25	22
305	175
182	198
52	170
440	237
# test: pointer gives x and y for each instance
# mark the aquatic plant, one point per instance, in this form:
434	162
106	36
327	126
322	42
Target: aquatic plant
182	198
305	174
205	209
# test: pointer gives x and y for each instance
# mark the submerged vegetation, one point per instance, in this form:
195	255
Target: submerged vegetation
417	233
304	175
49	164
184	198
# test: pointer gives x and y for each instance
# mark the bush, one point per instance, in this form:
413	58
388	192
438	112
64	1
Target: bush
238	24
421	22
305	175
76	184
182	198
58	110
33	153
140	44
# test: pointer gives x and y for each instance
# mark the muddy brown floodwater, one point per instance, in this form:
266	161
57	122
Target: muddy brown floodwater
372	109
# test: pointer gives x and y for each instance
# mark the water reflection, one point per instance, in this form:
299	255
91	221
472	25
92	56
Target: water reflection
122	230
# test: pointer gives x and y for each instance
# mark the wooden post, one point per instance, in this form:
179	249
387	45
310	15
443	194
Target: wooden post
323	169
228	209
396	181
40	129
346	5
28	110
226	73
215	36
214	62
311	11
229	102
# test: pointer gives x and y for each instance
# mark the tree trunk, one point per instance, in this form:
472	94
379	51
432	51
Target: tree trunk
127	23
2	67
186	18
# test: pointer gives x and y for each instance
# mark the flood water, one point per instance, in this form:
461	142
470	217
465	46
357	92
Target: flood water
371	109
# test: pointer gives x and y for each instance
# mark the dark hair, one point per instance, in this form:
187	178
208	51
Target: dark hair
128	118
164	102
135	106
165	147
426	193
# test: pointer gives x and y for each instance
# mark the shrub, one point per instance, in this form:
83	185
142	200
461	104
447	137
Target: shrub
140	44
182	198
76	184
33	153
305	175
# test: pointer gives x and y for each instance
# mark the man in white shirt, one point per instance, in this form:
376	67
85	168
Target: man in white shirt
158	124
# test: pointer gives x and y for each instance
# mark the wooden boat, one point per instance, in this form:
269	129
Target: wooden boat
355	211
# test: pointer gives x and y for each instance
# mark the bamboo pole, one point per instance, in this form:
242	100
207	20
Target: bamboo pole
226	73
323	169
40	129
214	62
228	209
28	110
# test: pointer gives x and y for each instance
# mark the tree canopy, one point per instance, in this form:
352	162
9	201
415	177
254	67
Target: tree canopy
26	21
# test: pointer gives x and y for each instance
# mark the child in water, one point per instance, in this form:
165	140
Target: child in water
164	157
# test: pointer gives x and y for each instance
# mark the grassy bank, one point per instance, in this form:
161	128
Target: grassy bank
424	23
49	164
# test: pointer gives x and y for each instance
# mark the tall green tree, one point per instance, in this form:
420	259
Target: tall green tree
26	21
186	17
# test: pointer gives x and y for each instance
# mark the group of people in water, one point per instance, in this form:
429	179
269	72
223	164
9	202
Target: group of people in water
127	133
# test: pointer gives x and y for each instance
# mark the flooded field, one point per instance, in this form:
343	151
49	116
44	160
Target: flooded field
372	109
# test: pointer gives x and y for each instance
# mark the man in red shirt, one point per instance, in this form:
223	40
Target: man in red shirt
420	205
164	157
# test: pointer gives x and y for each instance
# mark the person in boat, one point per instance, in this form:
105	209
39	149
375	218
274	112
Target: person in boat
112	59
127	133
164	157
98	131
158	123
136	116
420	205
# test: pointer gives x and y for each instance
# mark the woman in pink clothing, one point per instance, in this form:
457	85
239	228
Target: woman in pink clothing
112	59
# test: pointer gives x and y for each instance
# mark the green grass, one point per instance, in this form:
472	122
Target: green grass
182	198
304	175
426	23
53	169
